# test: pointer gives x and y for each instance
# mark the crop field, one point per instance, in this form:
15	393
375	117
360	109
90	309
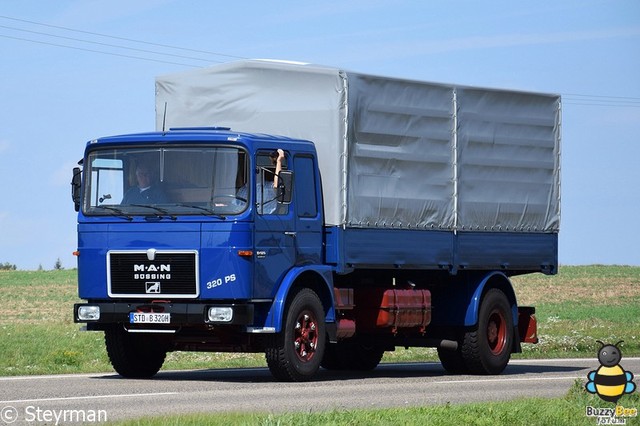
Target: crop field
580	305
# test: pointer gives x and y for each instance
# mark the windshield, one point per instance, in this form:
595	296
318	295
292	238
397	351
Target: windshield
166	181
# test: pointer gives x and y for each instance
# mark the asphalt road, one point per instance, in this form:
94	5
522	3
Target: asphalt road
40	399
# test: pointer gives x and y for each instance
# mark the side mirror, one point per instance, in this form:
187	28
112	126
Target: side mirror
76	185
285	186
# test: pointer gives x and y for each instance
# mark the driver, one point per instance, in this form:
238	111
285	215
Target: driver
147	191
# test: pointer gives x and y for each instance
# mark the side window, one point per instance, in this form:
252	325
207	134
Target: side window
266	195
306	205
106	184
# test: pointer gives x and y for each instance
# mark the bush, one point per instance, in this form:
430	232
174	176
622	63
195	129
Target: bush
7	267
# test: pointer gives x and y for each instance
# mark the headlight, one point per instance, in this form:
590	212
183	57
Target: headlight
89	313
220	314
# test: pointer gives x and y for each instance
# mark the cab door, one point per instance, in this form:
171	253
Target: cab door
275	233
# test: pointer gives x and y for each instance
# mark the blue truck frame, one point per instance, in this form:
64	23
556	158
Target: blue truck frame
289	285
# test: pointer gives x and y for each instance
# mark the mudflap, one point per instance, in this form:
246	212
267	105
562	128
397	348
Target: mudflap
527	324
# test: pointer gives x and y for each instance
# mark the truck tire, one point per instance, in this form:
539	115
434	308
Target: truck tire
452	361
364	357
294	354
136	356
335	356
487	349
351	356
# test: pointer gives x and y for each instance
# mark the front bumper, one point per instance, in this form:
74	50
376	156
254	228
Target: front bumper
181	314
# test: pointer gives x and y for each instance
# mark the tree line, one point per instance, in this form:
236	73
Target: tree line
7	266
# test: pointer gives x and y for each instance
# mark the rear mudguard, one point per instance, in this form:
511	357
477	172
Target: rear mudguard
498	280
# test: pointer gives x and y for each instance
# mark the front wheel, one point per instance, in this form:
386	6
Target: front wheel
136	356
294	354
487	349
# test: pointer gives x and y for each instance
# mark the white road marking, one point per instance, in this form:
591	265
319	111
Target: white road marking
532	361
54	376
562	360
68	398
511	379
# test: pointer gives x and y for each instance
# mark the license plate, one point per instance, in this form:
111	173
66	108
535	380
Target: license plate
149	318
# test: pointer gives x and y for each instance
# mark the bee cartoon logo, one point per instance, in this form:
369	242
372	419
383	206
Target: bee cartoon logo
610	381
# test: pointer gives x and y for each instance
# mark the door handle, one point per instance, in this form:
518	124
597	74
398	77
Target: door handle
290	233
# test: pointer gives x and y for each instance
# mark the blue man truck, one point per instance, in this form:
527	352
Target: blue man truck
334	217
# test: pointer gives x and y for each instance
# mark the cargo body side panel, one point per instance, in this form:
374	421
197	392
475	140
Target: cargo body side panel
513	253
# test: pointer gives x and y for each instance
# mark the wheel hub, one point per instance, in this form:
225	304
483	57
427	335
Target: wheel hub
305	339
497	332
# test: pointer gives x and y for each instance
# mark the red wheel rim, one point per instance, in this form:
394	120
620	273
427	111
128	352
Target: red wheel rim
305	336
497	332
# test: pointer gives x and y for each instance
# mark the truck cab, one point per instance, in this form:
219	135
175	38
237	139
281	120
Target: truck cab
183	239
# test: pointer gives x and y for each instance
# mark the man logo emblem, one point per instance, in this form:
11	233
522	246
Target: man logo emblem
153	286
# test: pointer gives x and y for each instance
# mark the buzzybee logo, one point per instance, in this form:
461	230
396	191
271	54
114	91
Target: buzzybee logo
610	381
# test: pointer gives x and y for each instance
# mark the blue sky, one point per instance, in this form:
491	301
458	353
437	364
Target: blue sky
60	88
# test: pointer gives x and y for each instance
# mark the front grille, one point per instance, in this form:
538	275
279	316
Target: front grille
170	274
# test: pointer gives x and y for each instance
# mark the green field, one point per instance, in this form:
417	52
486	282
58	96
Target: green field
574	309
580	305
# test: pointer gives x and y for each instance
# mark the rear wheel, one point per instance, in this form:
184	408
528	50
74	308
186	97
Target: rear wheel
487	349
452	361
295	353
136	356
364	357
351	356
335	356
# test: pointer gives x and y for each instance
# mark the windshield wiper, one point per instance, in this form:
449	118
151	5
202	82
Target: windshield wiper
116	211
206	211
158	209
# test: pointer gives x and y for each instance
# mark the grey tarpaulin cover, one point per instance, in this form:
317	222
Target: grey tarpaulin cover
393	153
